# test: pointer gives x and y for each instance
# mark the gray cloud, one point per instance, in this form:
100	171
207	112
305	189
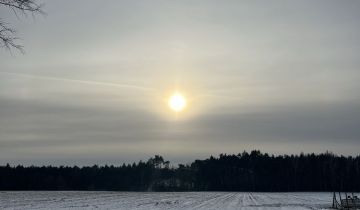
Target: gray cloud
281	77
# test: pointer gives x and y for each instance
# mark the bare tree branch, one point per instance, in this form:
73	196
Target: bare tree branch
23	5
8	36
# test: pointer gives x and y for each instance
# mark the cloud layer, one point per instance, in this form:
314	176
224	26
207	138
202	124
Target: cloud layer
282	78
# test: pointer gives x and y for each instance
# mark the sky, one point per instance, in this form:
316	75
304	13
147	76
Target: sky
92	87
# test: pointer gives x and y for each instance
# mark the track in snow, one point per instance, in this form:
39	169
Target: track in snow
162	200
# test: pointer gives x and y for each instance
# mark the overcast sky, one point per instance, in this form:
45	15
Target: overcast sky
279	76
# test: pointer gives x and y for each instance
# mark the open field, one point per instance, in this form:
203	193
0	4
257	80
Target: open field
162	200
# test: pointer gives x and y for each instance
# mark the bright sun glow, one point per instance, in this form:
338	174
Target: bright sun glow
177	102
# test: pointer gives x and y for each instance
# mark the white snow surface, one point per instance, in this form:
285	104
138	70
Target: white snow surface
162	200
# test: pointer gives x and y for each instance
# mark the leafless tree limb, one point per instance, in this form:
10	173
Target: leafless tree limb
23	5
8	36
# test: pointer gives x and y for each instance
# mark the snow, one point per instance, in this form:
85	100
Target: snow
162	200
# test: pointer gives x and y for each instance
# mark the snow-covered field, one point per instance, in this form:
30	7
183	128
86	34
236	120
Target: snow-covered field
156	200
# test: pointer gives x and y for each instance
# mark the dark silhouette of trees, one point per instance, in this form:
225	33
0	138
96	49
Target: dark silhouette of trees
8	36
254	171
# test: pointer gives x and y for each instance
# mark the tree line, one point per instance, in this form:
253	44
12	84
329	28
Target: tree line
254	171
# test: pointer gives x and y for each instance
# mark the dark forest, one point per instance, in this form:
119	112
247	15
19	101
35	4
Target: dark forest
254	171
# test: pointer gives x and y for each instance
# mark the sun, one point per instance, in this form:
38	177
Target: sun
177	102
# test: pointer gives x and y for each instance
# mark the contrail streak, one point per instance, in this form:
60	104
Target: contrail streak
118	85
89	82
